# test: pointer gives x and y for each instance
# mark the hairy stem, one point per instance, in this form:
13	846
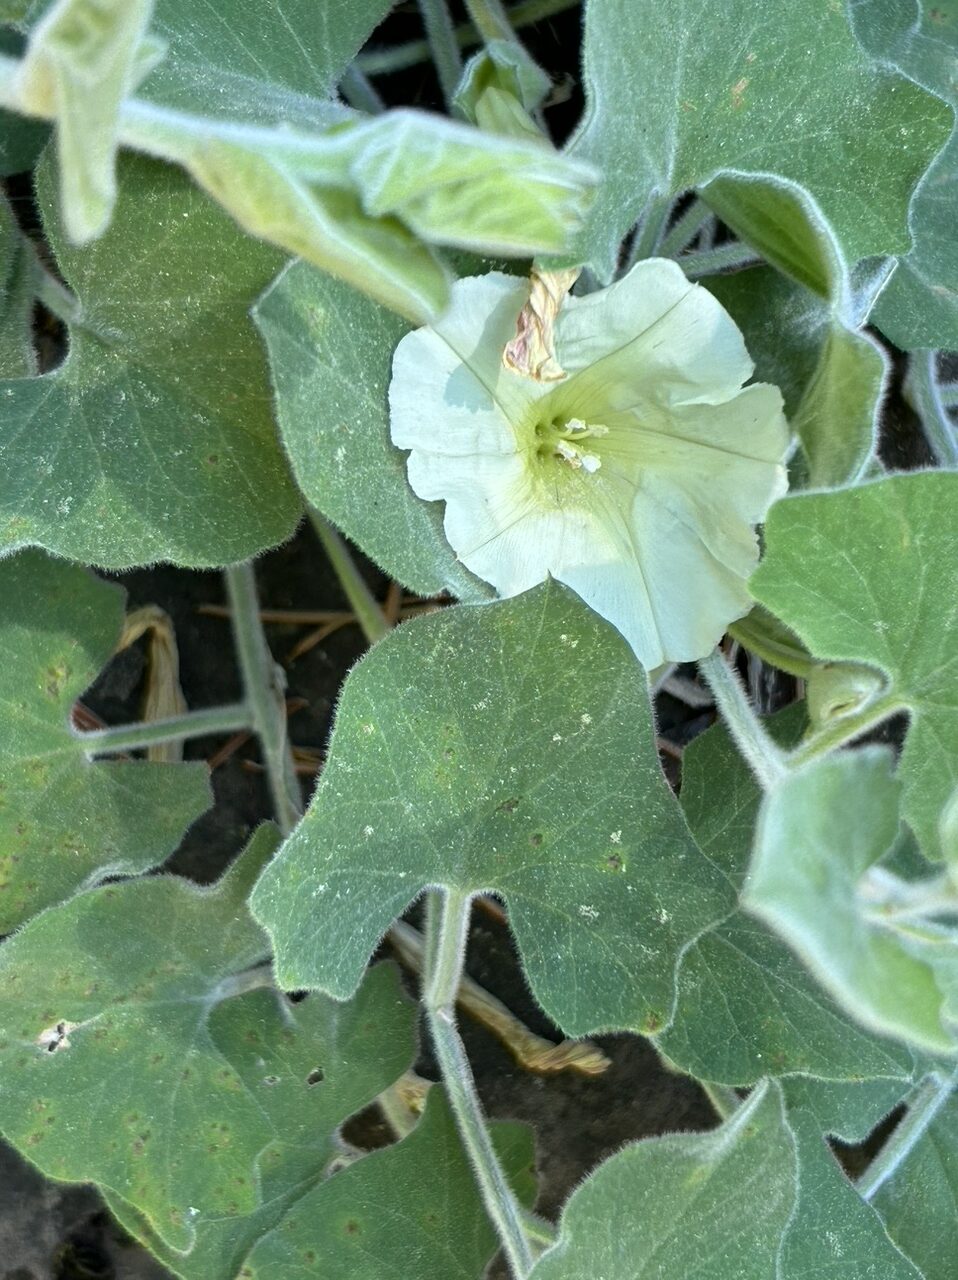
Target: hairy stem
363	603
707	262
762	755
922	391
681	235
443	45
445	947
264	684
149	733
838	732
359	93
927	1100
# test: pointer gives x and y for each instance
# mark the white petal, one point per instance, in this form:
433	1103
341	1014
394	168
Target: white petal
651	336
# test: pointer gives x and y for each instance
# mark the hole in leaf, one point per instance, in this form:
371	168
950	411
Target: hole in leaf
316	1076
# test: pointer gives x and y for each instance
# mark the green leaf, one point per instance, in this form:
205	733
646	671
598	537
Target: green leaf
508	748
153	440
359	1049
330	351
17	359
819	833
685	1206
65	822
411	1211
746	1005
792	95
919	308
834	1233
258	59
833	376
111	1070
81	62
918	1202
864	575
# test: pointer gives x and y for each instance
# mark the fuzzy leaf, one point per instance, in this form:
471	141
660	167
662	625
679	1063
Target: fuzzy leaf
110	1066
330	351
819	833
65	822
919	308
870	575
746	1006
153	440
359	1048
412	1210
792	95
918	1202
685	1207
507	748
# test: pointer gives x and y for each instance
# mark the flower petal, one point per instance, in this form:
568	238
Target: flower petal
650	336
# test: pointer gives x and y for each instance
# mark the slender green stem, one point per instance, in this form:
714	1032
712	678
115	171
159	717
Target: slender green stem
359	93
237	984
441	35
921	390
725	1100
707	262
445	948
687	227
56	297
490	19
264	684
948	391
363	603
384	62
149	733
762	755
649	233
927	1100
838	732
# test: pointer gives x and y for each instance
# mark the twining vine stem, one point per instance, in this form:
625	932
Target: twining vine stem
443	44
764	757
149	733
447	923
925	1103
264	684
363	603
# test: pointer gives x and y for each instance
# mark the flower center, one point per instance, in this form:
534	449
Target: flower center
564	439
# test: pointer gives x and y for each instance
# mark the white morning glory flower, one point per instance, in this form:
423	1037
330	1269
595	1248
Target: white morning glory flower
636	479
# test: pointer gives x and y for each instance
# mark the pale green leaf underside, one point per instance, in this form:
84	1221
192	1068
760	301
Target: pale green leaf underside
411	1212
504	747
360	1049
715	89
330	352
139	1097
709	1206
63	820
747	1006
819	833
918	1202
871	575
154	439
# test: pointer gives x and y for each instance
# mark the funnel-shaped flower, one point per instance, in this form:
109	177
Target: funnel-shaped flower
636	479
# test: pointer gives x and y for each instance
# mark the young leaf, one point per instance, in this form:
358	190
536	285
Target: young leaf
81	62
819	833
746	1005
685	1207
412	1210
153	440
63	820
834	1233
918	1202
504	748
310	1066
870	575
919	308
110	1066
330	351
792	95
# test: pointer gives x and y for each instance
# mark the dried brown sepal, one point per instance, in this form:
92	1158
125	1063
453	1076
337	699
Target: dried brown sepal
532	351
